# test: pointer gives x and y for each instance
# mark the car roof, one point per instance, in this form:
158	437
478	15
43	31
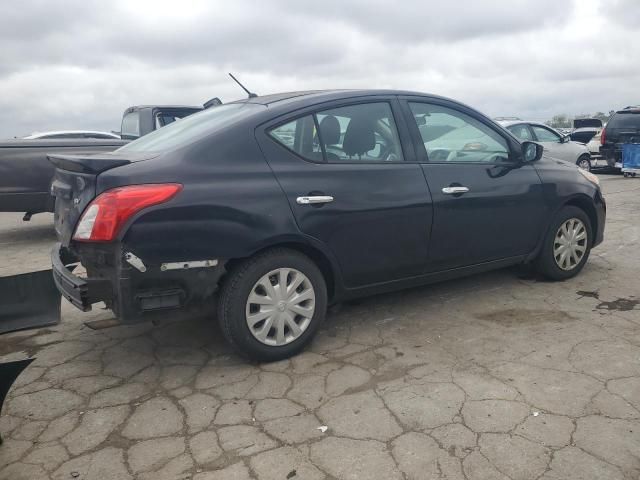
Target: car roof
317	96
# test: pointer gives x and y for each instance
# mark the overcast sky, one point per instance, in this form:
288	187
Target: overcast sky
79	63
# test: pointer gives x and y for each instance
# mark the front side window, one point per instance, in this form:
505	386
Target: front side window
356	133
521	131
452	136
545	135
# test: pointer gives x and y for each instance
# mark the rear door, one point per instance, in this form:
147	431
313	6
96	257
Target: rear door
349	172
552	143
487	204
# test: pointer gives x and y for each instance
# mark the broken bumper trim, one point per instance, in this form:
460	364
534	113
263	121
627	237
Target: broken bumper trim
81	292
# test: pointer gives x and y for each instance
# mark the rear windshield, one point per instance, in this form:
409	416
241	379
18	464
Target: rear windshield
625	120
187	129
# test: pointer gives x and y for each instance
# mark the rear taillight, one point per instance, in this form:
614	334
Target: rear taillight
603	136
105	215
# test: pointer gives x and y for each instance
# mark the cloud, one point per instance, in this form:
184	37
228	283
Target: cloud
79	64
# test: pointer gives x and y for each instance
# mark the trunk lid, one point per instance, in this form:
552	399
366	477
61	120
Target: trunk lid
74	185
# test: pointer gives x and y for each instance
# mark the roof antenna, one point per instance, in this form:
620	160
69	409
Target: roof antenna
251	95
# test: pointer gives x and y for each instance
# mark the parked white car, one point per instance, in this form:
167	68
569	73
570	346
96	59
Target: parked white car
555	144
73	134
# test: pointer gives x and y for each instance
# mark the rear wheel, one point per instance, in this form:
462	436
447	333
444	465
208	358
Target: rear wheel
567	245
584	162
272	304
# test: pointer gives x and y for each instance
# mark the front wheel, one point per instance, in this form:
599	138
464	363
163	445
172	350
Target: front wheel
271	305
584	162
566	246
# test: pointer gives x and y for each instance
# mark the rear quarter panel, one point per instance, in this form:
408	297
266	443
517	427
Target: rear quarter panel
230	207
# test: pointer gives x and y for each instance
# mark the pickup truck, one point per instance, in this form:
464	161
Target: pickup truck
25	172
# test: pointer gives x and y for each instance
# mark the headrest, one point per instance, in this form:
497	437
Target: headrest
330	130
359	137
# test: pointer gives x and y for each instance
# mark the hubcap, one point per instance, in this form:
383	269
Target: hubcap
584	164
570	244
280	306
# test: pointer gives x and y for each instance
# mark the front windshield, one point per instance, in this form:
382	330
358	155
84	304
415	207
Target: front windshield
187	129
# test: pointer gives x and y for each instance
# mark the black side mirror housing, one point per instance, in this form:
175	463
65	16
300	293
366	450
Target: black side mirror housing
531	151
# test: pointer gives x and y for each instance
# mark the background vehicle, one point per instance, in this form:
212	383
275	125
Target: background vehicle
284	203
140	120
25	172
622	127
587	131
555	144
73	134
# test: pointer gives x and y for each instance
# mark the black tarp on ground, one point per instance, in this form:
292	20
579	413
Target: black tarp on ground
28	300
8	373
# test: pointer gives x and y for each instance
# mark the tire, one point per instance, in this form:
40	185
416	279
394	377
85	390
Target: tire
277	339
546	263
584	162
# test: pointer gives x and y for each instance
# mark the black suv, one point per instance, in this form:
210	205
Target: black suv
282	204
622	127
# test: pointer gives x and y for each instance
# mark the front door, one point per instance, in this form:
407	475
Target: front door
488	205
350	175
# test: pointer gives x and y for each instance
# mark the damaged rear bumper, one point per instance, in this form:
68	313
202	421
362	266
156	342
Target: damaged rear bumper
81	292
130	286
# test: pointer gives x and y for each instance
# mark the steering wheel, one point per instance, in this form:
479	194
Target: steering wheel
495	158
439	155
452	156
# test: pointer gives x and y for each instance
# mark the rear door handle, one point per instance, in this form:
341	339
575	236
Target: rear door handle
314	199
454	190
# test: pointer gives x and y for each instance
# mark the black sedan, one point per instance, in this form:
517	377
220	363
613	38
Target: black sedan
280	205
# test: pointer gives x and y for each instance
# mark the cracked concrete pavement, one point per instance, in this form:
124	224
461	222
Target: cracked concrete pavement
496	376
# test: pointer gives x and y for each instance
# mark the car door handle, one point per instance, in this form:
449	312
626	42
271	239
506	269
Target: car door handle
454	190
314	199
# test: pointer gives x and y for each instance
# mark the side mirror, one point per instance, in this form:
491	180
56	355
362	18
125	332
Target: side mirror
566	139
531	151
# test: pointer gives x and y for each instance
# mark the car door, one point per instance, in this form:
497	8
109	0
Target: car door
488	204
348	170
552	143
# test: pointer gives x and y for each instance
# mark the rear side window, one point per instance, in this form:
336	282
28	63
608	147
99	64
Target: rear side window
301	137
521	131
364	132
625	120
